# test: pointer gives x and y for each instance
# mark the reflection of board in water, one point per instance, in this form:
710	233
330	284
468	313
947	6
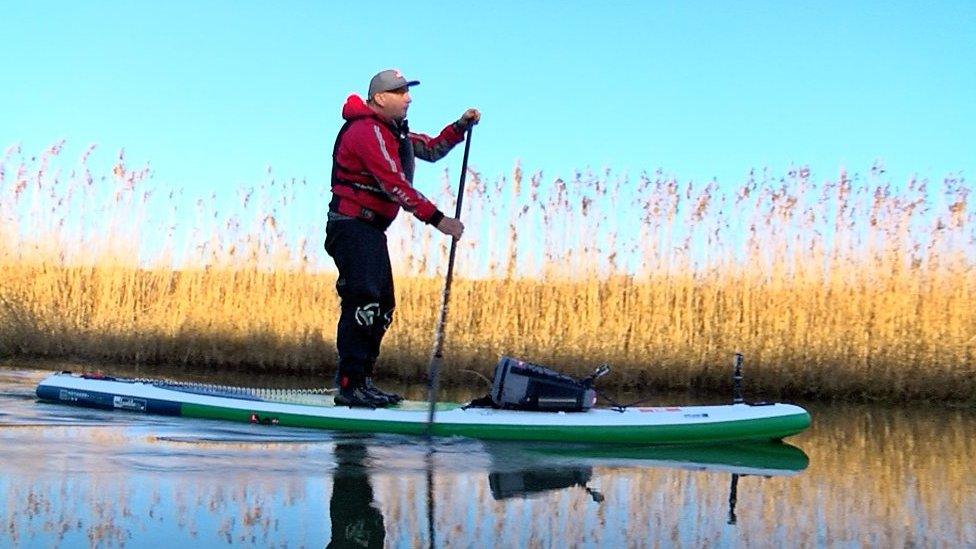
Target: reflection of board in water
754	458
523	470
528	471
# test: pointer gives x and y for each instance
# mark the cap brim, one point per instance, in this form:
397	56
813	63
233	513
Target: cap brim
402	86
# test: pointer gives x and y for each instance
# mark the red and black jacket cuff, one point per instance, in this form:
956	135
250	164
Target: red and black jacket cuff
435	218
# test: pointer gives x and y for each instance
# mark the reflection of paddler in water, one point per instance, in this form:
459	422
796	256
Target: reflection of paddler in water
356	522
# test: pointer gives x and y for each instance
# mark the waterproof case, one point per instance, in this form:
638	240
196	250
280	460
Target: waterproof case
522	385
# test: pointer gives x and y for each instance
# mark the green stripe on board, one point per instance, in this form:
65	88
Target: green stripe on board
755	429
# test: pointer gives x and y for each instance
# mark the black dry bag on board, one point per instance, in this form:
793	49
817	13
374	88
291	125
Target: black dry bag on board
521	385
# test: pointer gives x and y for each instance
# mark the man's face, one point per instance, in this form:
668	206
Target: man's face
394	103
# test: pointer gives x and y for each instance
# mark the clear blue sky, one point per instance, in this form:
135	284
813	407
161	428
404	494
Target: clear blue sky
212	93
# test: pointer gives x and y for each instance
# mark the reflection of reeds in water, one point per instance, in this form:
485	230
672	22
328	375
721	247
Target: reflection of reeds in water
887	478
850	287
876	477
907	475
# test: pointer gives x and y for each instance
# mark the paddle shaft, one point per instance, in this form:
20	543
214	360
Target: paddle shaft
438	355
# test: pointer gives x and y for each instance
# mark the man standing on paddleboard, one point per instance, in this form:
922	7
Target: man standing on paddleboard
372	178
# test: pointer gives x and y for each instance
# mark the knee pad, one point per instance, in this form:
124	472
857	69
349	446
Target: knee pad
368	315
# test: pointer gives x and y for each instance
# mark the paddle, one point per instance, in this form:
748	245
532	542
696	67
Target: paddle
438	355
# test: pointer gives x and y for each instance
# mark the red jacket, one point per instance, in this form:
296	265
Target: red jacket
373	164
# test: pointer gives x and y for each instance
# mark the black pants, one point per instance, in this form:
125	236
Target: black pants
365	287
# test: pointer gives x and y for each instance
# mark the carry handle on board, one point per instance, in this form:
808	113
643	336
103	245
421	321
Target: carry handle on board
600	371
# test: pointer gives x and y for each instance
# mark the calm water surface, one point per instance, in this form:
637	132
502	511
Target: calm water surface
861	476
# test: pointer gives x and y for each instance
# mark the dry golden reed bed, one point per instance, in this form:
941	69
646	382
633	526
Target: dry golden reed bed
846	288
